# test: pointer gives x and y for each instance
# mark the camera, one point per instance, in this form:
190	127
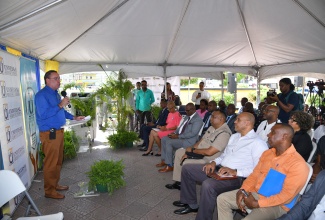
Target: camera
319	82
271	92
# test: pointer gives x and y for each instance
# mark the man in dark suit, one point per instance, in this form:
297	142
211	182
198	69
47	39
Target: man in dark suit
161	121
212	106
185	135
231	117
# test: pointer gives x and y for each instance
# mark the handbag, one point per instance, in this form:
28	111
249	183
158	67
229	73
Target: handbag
191	155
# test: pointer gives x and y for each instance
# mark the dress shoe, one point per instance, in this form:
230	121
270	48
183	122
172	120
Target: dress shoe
187	209
146	154
141	145
161	164
60	188
55	196
179	204
176	185
143	149
157	155
166	169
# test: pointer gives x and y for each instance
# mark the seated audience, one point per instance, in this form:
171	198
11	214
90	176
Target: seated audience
185	135
320	158
203	108
260	112
239	158
212	106
242	102
172	121
146	128
231	117
284	160
319	132
222	106
250	108
312	203
210	147
300	122
271	117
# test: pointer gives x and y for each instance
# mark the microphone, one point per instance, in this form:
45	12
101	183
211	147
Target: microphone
64	94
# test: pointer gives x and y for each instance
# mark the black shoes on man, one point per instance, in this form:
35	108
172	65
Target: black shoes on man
185	208
176	185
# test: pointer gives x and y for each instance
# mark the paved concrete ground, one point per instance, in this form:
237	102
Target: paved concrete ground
143	197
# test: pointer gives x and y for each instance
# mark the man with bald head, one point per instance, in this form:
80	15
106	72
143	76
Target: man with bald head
239	158
270	115
281	158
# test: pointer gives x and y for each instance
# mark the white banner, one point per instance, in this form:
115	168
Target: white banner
12	137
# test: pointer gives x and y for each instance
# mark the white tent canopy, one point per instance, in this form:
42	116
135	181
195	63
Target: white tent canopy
167	37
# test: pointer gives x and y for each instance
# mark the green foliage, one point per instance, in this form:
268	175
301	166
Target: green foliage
228	98
71	144
85	106
107	172
155	109
239	76
118	88
69	86
121	139
252	95
184	82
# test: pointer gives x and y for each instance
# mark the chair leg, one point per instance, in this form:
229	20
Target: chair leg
33	204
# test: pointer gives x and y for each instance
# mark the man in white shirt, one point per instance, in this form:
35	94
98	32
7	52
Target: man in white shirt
200	94
239	158
270	115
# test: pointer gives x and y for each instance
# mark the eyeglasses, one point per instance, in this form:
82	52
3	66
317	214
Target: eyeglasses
55	78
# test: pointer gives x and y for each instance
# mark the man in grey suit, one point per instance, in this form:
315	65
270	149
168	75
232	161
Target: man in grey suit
185	135
231	117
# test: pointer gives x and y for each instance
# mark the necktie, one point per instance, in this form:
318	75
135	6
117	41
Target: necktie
228	117
207	122
184	126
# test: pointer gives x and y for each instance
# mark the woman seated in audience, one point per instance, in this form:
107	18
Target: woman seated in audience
173	120
170	93
203	108
301	122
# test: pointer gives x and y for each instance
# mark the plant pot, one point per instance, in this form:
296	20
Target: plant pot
129	144
101	188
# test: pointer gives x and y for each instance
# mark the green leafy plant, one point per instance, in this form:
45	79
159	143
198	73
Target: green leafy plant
122	138
71	144
228	98
107	172
85	106
155	109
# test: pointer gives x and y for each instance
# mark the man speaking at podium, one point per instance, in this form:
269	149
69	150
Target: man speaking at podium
50	117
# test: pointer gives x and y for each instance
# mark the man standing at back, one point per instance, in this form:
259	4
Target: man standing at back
238	159
50	117
143	103
200	94
283	166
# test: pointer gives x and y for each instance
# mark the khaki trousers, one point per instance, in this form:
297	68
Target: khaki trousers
53	150
178	168
227	202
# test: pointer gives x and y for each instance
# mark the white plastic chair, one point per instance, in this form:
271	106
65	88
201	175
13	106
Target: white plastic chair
311	133
11	186
312	153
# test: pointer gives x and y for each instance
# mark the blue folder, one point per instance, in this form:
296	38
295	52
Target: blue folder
273	184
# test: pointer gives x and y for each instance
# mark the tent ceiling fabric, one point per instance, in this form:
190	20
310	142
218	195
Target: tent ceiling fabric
192	37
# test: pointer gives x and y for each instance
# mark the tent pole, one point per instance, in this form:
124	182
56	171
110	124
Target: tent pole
258	88
165	80
188	89
222	79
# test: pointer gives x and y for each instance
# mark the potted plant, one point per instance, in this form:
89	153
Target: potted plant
106	175
118	88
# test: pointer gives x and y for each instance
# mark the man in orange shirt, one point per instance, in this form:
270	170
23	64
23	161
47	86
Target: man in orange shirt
283	158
